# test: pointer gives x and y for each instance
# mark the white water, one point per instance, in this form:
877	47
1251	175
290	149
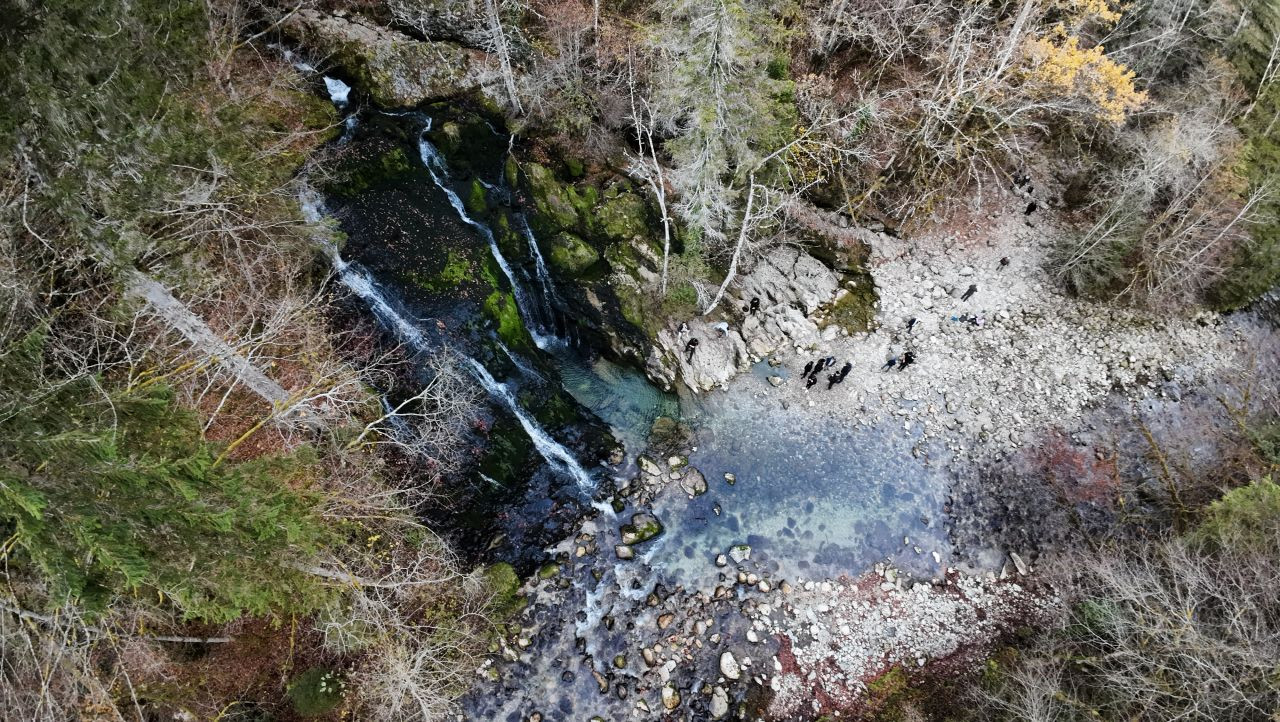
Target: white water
556	455
544	278
436	167
338	91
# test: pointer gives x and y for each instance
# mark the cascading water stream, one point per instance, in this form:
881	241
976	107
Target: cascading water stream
544	277
439	174
558	457
554	453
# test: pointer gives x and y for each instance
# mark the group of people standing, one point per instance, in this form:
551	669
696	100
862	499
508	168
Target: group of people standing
813	368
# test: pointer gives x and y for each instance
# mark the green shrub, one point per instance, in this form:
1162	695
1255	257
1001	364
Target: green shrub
316	691
1243	518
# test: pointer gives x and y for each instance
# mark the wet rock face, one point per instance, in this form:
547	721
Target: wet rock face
396	70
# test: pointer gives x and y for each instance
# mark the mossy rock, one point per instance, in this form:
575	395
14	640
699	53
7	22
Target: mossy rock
571	255
397	71
548	570
556	206
502	309
642	528
477	202
504	586
553	411
511	242
507	450
624	217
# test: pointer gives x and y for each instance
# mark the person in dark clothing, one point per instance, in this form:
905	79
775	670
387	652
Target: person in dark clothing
689	348
832	380
908	358
911	324
1031	208
973	288
844	370
1004	261
755	305
808	384
893	361
822	364
808	368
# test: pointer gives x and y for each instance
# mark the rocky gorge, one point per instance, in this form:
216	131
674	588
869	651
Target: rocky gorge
749	547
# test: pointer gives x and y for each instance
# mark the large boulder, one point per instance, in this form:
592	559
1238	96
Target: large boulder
462	21
396	70
790	277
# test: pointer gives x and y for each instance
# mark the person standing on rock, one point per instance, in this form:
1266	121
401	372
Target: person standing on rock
844	370
893	361
973	288
832	380
689	348
908	358
809	382
911	323
684	330
808	369
1004	262
723	328
755	305
828	362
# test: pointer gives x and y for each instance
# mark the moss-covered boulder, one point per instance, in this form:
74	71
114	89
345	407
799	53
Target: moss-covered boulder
570	255
642	528
397	71
557	203
502	309
504	587
623	217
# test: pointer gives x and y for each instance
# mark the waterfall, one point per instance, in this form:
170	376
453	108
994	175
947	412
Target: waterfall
338	91
544	278
439	173
555	455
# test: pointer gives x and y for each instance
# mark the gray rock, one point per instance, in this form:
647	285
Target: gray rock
740	553
719	703
623	551
648	466
396	70
670	696
694	483
729	666
776	381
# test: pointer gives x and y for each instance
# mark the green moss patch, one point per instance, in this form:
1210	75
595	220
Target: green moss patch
504	586
570	255
501	308
316	692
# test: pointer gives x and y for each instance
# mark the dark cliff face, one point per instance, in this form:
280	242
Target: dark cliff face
402	228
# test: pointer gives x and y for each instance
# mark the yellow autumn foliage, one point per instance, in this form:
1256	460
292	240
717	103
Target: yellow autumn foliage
1086	73
1104	11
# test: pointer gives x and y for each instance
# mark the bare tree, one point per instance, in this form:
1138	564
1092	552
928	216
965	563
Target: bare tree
1176	629
645	165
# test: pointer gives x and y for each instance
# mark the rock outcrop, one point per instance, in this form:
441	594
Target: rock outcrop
396	70
791	286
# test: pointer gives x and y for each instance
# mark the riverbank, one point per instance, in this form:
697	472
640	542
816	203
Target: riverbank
1035	358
